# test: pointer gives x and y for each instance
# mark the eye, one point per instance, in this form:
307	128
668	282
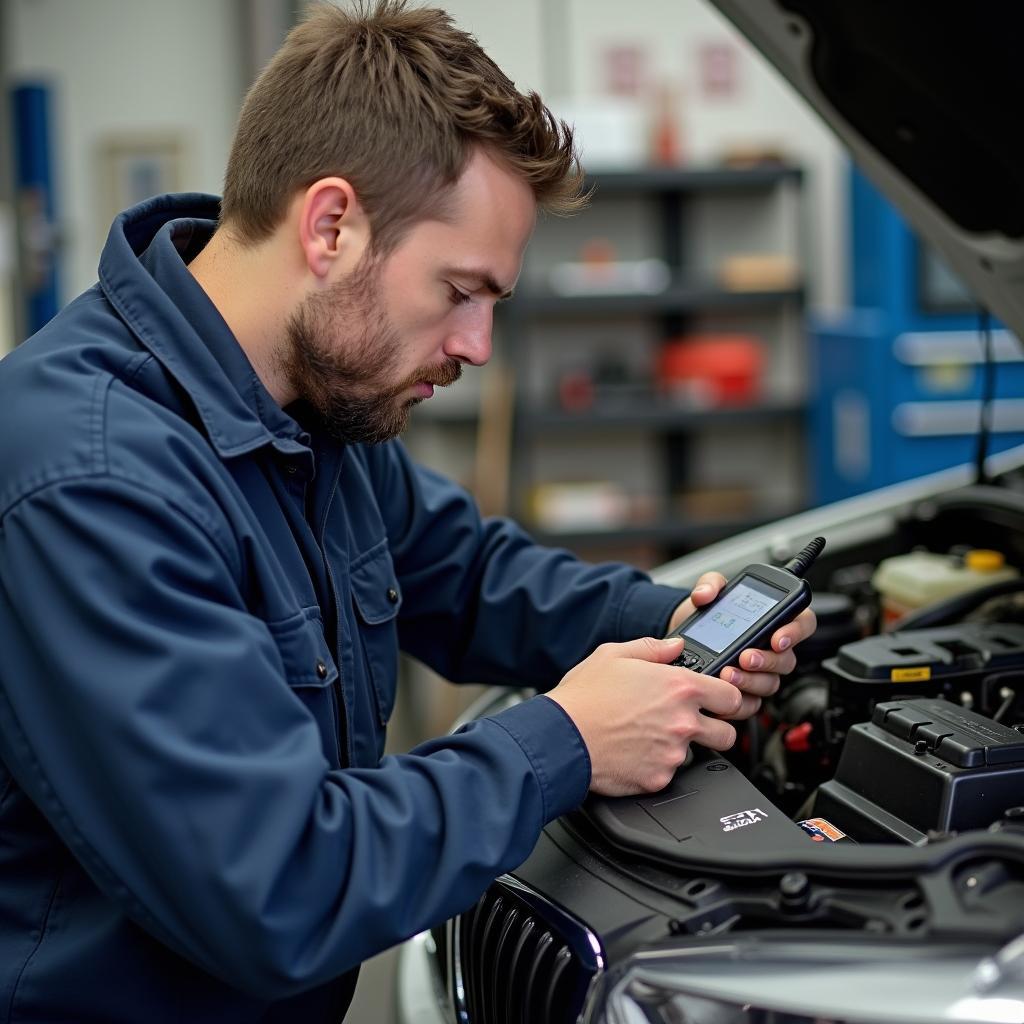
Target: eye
456	296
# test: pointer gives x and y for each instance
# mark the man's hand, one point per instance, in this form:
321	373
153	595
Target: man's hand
759	671
638	714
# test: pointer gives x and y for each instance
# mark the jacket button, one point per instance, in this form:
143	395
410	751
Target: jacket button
321	670
392	595
291	470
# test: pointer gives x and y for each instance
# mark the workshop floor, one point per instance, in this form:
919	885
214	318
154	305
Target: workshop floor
374	1002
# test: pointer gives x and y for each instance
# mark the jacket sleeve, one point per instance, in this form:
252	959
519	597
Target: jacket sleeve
483	602
147	714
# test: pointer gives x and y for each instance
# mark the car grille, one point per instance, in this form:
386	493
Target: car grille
517	963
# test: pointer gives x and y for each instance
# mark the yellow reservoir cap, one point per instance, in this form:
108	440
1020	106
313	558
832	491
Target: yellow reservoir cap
984	560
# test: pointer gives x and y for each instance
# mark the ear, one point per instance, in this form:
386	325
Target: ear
333	227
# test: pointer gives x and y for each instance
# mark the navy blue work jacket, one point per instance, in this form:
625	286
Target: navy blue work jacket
201	607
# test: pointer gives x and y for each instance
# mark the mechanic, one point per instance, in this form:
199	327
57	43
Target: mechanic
213	546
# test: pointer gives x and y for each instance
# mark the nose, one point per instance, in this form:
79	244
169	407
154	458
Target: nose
471	343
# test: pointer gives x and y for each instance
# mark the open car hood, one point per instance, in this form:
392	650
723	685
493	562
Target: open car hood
927	98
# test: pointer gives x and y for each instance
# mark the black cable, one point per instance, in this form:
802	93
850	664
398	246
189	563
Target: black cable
953	609
801	562
988	387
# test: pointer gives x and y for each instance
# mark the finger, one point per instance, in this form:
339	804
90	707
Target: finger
750	707
682	612
707	587
755	660
715	695
789	635
648	648
715	734
760	684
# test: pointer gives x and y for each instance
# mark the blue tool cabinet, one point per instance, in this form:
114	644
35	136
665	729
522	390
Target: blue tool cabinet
898	377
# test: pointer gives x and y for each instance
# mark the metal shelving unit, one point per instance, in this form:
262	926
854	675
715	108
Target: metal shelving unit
656	416
701	179
690	293
664	532
680	297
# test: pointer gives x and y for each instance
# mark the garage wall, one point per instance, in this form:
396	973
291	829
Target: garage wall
558	47
121	67
763	110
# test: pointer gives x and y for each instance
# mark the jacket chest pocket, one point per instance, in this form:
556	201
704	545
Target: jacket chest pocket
377	599
311	673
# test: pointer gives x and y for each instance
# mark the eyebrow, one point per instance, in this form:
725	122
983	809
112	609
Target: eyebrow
485	278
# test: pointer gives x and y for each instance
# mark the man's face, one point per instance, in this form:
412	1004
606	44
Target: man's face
374	343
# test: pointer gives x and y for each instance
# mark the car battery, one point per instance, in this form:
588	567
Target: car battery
923	765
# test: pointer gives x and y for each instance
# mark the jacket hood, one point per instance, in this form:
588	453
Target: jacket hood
144	274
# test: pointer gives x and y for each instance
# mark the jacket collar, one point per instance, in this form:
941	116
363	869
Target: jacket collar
144	276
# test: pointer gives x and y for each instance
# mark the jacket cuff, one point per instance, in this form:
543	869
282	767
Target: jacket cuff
555	749
647	609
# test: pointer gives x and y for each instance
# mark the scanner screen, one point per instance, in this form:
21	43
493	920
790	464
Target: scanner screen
733	614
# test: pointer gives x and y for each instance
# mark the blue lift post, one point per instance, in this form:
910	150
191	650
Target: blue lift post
34	203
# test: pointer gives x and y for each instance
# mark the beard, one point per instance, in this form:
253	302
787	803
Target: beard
341	358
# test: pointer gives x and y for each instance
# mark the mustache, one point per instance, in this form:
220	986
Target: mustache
441	376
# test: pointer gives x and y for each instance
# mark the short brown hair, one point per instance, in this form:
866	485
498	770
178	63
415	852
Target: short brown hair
392	98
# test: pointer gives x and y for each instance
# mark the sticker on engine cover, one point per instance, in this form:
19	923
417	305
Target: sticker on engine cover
910	675
821	830
731	822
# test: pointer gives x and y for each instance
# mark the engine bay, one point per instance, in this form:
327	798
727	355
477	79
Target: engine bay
903	721
878	794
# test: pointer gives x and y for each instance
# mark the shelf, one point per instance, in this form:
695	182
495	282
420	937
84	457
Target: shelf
679	298
699	179
667	532
606	415
693	287
655	416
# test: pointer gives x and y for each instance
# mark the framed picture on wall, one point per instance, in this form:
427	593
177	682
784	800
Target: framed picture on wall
135	166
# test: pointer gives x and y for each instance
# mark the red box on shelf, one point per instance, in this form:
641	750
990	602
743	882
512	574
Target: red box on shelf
712	369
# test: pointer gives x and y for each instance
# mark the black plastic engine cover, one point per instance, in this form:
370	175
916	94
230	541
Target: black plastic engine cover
709	805
957	654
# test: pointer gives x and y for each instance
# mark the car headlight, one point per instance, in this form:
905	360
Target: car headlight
848	979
